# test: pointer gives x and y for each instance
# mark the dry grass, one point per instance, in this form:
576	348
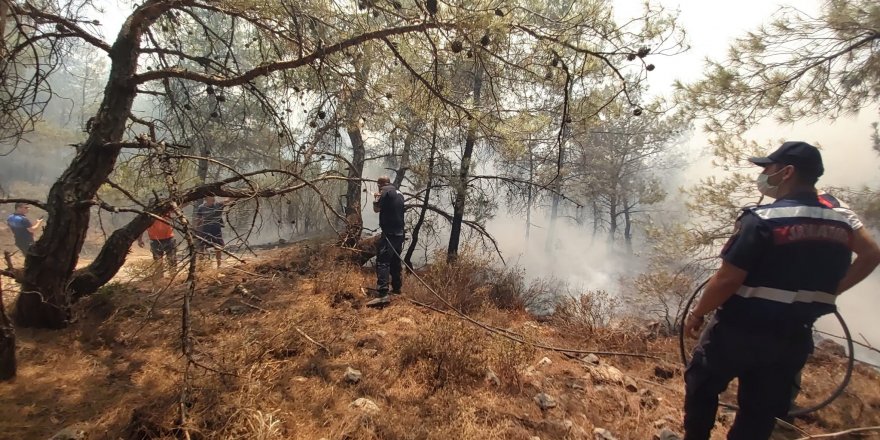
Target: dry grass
118	369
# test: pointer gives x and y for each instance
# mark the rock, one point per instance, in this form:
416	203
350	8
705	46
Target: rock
544	362
370	352
666	434
545	401
406	321
603	434
664	421
380	333
830	347
492	378
606	374
647	400
73	432
366	406
591	359
352	375
577	386
630	384
663	373
534	437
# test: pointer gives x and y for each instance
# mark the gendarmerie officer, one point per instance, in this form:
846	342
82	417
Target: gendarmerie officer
781	270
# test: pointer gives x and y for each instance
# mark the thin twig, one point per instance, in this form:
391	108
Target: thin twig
309	338
253	306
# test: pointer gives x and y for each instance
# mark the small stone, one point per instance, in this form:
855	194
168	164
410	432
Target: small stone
545	401
352	375
577	386
534	437
406	321
591	359
630	384
366	406
603	434
492	378
370	352
544	362
647	400
73	432
300	379
663	373
666	434
381	333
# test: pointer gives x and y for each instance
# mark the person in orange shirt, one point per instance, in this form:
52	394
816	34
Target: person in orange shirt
162	243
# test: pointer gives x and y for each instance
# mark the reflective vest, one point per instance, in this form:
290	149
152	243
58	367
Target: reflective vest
805	250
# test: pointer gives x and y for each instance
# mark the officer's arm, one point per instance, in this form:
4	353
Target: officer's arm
867	258
377	205
720	288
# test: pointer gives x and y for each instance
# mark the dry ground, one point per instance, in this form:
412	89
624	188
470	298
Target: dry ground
273	339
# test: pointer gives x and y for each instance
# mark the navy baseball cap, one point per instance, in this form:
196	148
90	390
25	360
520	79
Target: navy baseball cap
805	158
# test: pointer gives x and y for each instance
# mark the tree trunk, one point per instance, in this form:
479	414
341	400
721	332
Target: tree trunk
458	204
403	165
7	341
353	216
529	189
596	218
557	191
110	259
414	238
627	227
202	174
4	11
44	300
612	219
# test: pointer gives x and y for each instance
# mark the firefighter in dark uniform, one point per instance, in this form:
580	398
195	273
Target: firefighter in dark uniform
781	270
389	204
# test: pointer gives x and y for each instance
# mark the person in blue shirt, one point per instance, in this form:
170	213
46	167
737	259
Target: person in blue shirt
22	228
781	270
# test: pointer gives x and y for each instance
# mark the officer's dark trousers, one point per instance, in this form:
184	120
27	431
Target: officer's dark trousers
388	262
765	361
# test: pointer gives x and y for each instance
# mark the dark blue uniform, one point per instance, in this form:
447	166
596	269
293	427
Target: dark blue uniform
211	229
795	251
391	220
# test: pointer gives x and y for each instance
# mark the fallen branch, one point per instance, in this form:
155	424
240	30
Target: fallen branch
309	338
840	433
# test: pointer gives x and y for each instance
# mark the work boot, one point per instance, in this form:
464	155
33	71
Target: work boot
379	302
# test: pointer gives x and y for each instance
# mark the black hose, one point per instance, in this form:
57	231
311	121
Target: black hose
800	411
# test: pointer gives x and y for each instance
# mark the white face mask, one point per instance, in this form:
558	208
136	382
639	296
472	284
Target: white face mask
764	186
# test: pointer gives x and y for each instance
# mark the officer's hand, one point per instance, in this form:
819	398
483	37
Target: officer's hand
693	324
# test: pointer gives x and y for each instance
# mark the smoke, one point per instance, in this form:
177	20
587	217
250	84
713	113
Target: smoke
576	256
858	306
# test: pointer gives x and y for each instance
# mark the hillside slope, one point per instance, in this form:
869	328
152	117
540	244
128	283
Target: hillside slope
285	349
